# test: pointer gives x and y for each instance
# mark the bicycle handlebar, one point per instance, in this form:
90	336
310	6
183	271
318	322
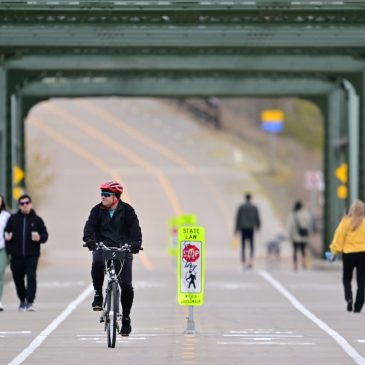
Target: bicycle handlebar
101	245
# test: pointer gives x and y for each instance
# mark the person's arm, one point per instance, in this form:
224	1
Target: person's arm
91	225
9	230
339	238
238	215
135	232
42	231
290	227
258	222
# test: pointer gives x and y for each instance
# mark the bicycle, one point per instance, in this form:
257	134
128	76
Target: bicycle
111	316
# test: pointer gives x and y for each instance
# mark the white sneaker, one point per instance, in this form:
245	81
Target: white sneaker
1	307
30	307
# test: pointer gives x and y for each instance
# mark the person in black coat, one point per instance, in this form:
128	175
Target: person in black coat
25	231
113	222
247	221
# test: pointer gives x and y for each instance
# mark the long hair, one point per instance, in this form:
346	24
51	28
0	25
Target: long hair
356	214
3	204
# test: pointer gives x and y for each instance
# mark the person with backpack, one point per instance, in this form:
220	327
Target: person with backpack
299	227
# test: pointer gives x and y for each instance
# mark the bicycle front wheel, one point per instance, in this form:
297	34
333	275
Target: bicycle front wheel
112	313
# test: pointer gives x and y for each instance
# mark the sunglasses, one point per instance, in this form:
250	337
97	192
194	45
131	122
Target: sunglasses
24	203
106	194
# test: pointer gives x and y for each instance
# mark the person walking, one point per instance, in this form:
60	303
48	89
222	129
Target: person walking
25	231
113	222
4	216
349	239
299	224
247	220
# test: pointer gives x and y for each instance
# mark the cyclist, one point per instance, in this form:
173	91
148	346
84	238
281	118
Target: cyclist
113	222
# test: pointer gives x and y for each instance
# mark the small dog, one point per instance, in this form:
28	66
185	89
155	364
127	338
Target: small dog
273	247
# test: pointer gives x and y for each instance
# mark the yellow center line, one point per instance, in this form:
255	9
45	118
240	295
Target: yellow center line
111	143
164	151
100	164
136	134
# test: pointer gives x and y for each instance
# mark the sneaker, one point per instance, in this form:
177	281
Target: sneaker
97	303
1	307
22	306
126	327
349	306
30	307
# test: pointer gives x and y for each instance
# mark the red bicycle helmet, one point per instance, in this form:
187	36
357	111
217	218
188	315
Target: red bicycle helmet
112	186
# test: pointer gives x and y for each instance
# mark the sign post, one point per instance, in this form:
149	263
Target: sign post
191	270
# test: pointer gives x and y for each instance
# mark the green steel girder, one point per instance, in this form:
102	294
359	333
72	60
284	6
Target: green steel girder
141	62
15	36
175	11
182	24
183	86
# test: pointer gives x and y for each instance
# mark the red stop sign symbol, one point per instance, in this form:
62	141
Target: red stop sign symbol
190	253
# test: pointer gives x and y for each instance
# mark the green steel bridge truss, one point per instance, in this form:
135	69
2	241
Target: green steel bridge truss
253	48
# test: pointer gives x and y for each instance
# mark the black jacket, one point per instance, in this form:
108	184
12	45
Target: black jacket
123	227
22	225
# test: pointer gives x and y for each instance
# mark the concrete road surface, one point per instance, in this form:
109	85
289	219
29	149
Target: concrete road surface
169	165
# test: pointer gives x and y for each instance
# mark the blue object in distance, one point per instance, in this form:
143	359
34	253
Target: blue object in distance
272	127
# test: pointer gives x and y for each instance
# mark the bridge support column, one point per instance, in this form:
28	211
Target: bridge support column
5	164
17	148
336	153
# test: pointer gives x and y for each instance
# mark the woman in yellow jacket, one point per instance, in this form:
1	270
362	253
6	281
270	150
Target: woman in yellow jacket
349	239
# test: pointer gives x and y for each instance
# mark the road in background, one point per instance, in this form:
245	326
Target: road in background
169	165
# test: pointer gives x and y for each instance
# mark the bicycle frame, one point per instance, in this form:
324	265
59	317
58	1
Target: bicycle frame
111	317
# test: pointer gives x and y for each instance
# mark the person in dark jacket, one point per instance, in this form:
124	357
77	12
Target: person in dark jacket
113	222
24	233
247	220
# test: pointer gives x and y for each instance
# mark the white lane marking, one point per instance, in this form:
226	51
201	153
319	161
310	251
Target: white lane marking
263	331
15	332
267	343
322	325
257	335
51	327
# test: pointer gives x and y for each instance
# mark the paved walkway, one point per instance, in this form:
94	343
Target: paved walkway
169	165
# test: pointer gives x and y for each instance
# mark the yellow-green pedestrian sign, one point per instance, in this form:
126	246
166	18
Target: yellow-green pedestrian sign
191	265
174	224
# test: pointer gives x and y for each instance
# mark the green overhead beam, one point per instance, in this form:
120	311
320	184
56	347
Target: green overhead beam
218	62
165	87
15	36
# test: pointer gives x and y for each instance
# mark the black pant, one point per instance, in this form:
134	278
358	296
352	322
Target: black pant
247	234
299	246
124	279
22	267
350	262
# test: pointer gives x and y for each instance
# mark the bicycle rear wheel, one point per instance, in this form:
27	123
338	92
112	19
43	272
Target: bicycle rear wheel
112	313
